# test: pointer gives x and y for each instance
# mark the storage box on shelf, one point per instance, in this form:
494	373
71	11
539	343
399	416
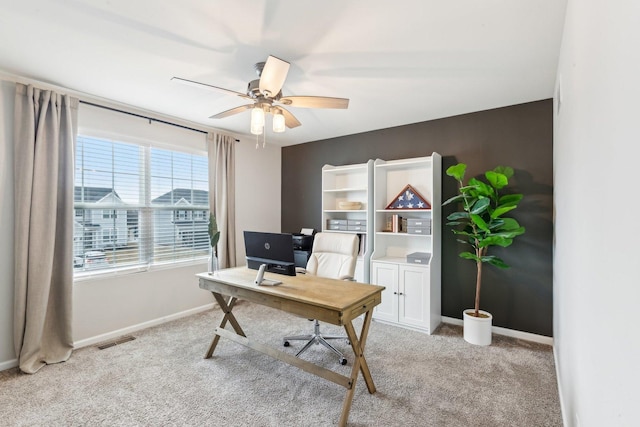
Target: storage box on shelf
347	199
406	258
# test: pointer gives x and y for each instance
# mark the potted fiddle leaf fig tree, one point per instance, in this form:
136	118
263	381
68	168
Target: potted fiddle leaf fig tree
214	237
482	224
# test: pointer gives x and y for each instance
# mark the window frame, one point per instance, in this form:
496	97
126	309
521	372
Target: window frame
144	209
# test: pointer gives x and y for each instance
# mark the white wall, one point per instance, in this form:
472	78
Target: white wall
7	94
110	306
258	173
596	147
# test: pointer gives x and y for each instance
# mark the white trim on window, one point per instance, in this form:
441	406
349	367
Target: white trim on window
137	204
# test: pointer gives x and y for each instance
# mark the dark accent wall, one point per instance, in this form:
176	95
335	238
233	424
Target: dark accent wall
519	136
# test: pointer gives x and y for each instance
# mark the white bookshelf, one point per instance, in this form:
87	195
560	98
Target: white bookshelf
412	295
350	183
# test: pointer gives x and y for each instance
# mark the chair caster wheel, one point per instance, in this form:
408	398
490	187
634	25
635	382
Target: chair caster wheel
286	344
343	361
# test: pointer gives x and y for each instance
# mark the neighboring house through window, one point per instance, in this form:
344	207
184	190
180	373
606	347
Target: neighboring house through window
139	205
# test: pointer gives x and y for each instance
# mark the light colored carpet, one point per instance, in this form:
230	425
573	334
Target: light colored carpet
161	379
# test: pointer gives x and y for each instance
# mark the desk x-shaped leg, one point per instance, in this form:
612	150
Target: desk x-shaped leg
359	364
226	307
357	344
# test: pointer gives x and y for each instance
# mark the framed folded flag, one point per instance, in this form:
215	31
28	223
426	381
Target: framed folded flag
409	198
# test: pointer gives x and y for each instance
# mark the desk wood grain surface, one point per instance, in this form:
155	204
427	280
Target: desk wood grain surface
329	300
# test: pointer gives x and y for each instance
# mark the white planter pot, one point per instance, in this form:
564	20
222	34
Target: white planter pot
477	330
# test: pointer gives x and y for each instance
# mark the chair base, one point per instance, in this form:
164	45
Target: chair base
317	338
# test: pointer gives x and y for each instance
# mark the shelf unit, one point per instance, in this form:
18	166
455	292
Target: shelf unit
412	295
350	183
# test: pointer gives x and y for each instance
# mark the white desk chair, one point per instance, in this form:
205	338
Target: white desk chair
334	256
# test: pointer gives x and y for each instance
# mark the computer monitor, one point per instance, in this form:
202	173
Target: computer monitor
273	249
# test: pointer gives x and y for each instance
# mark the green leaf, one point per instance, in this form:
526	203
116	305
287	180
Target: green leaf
496	224
454	199
477	220
457	171
482	189
214	234
510	199
457	215
510	234
504	170
501	210
469	187
495	241
480	206
494	260
469	255
508	224
497	180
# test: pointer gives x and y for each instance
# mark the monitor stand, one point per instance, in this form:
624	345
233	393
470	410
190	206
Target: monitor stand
269	282
260	280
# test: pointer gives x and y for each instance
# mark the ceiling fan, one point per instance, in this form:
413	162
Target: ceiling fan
266	94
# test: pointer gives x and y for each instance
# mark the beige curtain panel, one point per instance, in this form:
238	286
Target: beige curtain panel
45	129
222	194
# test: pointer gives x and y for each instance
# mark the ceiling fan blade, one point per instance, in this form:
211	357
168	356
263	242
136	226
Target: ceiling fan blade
315	102
232	111
209	87
273	76
289	119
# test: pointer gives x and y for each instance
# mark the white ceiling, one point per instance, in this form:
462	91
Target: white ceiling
398	62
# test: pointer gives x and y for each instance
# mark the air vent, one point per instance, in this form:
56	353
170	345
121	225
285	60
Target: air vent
120	340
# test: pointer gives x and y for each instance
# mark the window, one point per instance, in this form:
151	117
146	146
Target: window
109	237
138	205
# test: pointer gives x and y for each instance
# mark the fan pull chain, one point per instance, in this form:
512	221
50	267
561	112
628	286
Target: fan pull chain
264	139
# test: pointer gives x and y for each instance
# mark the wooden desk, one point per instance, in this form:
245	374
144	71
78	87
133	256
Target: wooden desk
333	301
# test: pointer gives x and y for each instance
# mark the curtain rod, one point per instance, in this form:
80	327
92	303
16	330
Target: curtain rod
80	95
146	117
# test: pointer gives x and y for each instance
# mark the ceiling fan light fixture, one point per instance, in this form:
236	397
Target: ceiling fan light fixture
257	120
266	96
278	122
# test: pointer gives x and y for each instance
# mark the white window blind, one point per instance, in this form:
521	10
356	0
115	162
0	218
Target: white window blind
137	206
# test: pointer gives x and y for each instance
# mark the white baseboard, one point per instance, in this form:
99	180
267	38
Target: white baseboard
8	364
565	416
133	328
527	336
124	331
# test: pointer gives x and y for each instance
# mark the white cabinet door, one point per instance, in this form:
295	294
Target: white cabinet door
386	275
413	293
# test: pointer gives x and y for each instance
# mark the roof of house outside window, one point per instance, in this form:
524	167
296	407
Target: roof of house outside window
193	197
92	194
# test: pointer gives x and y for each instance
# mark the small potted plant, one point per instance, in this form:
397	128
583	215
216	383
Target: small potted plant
482	224
214	237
